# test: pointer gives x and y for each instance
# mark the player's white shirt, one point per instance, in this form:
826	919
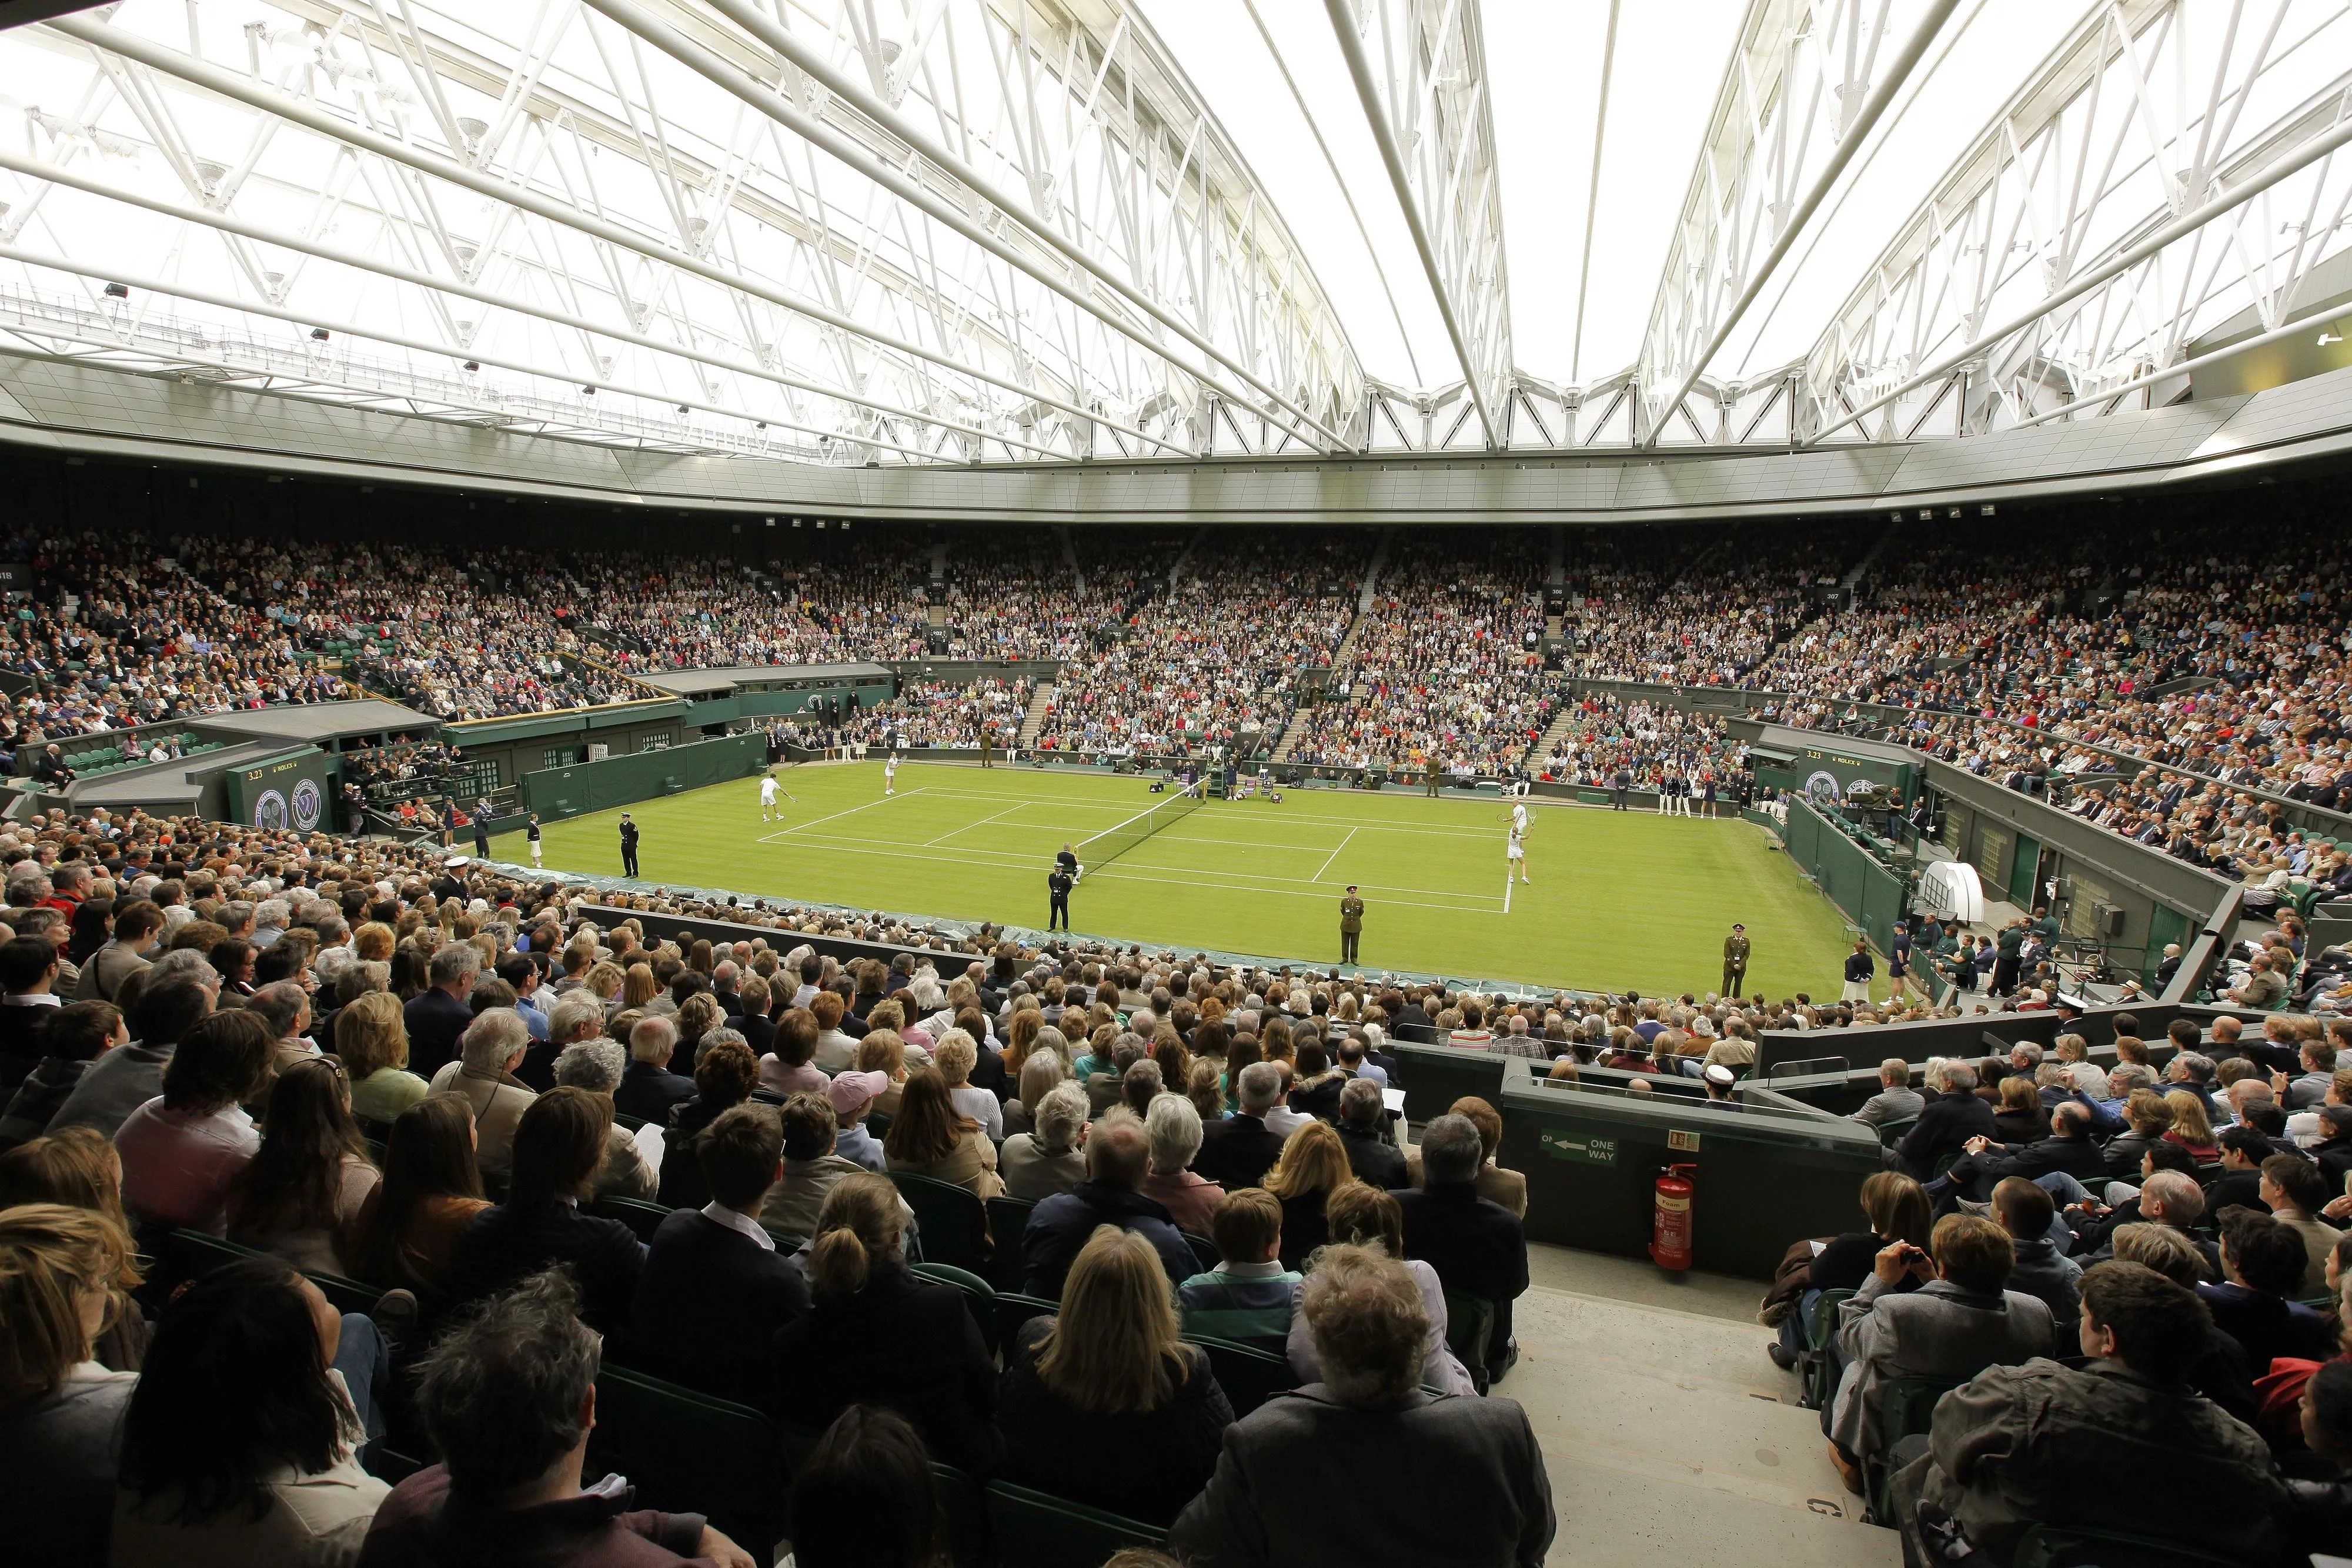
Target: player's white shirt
768	791
890	768
1518	821
1515	849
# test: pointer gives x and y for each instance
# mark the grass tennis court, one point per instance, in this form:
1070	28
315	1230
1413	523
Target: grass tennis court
1618	900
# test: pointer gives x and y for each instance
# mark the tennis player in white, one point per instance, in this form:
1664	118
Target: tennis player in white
767	797
890	775
1515	849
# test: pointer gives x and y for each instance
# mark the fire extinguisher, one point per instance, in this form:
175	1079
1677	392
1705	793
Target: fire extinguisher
1670	1243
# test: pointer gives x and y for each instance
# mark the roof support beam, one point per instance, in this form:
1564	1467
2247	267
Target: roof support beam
2338	133
418	345
762	27
1716	235
1455	175
224	223
199	73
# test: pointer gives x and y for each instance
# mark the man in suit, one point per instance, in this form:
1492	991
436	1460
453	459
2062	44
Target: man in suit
1946	1123
1351	925
648	1089
28	971
628	846
1238	1151
131	949
1058	883
483	1076
1476	1245
715	1289
1734	960
1984	1161
1118	1157
1368	1435
438	1015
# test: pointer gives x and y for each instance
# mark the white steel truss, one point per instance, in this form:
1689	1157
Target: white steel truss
1420	71
1807	81
861	232
541	186
2139	190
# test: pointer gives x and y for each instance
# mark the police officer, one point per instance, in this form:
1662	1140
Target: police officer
1351	925
1734	960
1058	883
628	846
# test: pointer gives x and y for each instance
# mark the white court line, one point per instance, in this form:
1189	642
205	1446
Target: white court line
1281	815
968	827
1006	860
813	821
1343	844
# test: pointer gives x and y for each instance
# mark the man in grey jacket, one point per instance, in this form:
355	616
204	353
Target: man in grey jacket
1958	1323
2012	1448
1896	1100
1369	1433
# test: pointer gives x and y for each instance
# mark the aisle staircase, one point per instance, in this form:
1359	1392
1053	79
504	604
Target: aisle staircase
1039	700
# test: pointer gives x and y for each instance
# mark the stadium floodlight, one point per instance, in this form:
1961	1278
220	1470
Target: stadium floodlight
117	291
473	364
317	334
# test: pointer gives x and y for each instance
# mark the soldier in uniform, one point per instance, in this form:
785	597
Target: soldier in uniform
1734	960
628	846
1058	883
1351	925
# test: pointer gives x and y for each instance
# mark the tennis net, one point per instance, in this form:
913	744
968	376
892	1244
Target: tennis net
1112	842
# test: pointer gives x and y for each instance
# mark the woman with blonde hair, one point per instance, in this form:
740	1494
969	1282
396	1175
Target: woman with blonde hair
930	1138
956	1057
1110	1373
880	1333
883	1050
1312	1166
1204	1085
374	942
1021	1035
697	1016
604	981
59	1409
638	987
77	1167
371	1038
2191	1127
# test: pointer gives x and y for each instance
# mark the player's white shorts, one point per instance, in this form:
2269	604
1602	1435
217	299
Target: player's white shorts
1513	851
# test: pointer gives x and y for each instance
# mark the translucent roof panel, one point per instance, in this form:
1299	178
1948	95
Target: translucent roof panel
990	231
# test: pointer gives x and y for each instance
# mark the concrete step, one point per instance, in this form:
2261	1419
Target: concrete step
1039	700
1669	1436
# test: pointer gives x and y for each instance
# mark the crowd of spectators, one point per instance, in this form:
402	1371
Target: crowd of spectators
1446	671
1698	606
359	1063
1219	660
2088	1264
948	714
1652	744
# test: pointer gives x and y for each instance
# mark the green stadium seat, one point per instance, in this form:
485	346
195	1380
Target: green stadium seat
1012	1309
194	1252
1813	1365
1035	1530
1892	1132
977	1295
1249	1377
784	1239
1469	1325
639	1216
1007	1218
953	1223
688	1452
627	1123
1204	1251
1906	1405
